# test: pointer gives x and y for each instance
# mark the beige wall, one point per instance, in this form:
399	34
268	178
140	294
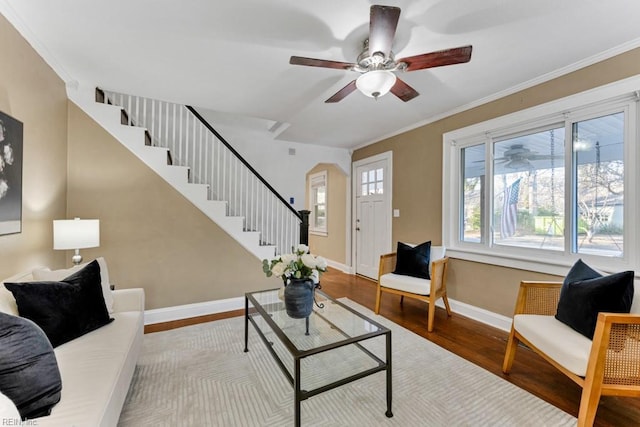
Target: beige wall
32	93
417	178
333	245
151	235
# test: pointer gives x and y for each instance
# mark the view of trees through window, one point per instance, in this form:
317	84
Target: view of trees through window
529	186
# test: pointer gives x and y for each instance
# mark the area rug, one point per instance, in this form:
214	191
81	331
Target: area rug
200	376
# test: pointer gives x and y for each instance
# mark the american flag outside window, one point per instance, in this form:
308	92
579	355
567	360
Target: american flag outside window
509	218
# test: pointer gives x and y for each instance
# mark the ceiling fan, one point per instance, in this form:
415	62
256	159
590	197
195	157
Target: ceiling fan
518	156
377	64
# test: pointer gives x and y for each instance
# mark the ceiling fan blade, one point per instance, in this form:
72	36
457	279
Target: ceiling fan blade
382	28
342	93
456	55
403	90
324	63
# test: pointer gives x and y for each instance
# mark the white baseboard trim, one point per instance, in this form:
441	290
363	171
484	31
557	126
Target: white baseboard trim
168	314
480	314
338	266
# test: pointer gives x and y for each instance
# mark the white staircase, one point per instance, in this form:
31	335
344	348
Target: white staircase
109	117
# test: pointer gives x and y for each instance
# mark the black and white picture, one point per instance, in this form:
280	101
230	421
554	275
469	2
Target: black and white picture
10	175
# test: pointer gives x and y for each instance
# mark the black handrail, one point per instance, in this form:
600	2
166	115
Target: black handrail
244	162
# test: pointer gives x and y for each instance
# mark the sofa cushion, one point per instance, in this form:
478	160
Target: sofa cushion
8	410
7	302
555	339
45	274
29	373
64	310
413	261
96	372
582	300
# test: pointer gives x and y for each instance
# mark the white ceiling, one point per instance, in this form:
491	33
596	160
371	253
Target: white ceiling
232	57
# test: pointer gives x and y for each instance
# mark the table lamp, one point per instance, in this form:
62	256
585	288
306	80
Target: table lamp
76	234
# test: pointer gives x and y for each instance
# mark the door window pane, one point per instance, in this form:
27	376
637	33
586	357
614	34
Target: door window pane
528	184
473	180
598	145
372	182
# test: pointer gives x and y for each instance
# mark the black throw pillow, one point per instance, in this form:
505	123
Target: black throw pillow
580	271
29	373
67	309
413	261
582	300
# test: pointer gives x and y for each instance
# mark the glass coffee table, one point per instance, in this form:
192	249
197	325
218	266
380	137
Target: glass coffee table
334	346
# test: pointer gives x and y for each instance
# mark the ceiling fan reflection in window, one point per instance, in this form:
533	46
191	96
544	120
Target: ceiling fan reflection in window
377	64
518	157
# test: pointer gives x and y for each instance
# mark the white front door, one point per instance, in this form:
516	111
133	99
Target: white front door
373	212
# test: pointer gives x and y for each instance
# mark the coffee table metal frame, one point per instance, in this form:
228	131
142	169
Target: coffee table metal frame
298	355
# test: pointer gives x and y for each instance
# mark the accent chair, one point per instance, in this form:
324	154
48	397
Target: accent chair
428	290
608	364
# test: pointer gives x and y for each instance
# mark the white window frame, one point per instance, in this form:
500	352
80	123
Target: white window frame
316	180
622	95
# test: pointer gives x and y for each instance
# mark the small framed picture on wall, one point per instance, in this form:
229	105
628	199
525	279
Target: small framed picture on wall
10	175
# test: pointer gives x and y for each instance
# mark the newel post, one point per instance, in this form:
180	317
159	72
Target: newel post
304	227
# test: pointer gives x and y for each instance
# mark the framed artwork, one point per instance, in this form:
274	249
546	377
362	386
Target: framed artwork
10	175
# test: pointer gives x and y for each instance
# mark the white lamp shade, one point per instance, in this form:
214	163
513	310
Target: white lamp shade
376	83
76	233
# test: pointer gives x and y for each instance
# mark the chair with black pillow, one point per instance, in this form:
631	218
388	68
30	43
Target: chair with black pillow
588	327
418	272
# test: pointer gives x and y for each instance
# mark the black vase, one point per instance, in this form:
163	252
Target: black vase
298	298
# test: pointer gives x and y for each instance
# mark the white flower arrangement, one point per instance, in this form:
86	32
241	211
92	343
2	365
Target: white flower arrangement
297	265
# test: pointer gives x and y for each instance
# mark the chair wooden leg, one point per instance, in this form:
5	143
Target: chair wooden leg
446	304
432	315
378	297
510	352
589	403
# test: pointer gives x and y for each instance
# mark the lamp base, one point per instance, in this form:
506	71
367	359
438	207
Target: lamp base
77	258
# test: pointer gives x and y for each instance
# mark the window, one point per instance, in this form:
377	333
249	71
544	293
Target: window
528	189
318	192
545	187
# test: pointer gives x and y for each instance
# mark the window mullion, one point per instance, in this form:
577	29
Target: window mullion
632	209
570	189
489	196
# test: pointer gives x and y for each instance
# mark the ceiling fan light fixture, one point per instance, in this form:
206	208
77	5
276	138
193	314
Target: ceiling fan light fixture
519	164
376	83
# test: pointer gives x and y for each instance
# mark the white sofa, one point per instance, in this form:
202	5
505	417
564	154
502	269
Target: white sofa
96	368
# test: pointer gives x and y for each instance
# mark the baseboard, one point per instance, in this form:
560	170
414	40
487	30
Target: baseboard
480	314
338	266
168	314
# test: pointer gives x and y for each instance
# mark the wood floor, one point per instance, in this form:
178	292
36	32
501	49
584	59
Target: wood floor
474	341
